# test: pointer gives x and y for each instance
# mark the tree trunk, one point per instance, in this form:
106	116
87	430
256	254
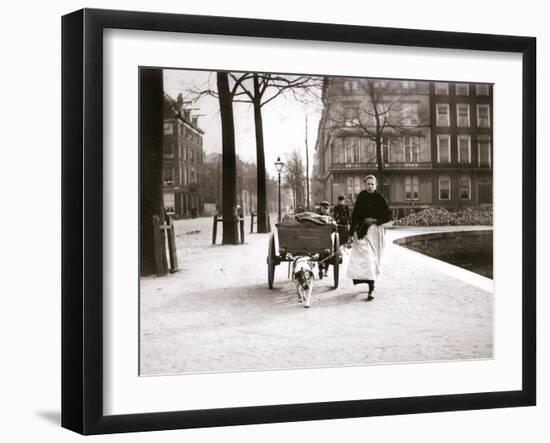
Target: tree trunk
379	160
151	121
220	185
307	172
380	173
229	161
260	159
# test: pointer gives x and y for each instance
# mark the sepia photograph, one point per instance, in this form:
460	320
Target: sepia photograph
298	221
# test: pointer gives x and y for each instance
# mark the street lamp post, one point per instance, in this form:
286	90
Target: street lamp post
279	166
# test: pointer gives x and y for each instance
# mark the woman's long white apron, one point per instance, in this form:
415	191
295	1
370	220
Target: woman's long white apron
366	254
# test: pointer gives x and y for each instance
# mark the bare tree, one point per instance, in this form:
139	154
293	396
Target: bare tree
246	182
151	146
229	160
294	174
384	111
260	89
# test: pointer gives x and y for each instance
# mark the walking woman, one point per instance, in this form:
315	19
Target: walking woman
369	214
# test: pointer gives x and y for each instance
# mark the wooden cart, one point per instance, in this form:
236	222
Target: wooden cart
320	242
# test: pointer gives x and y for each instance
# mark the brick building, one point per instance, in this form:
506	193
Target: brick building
434	142
462	122
183	157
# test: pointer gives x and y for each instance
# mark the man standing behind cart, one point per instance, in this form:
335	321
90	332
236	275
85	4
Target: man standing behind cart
343	219
324	212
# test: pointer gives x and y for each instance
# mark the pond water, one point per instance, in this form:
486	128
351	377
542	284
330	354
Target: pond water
471	250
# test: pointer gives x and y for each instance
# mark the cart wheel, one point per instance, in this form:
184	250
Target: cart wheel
271	262
336	259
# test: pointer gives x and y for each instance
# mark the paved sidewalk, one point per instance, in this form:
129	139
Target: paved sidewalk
217	313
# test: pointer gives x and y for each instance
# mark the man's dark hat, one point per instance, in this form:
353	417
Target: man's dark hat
325	203
341	197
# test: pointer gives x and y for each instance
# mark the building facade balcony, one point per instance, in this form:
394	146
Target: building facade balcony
373	166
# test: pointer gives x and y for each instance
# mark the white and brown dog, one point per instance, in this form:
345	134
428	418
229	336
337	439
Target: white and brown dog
302	275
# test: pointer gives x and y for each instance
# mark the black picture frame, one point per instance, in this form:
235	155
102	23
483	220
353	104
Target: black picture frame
82	218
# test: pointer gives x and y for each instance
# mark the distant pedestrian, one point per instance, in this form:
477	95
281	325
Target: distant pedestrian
324	212
370	212
343	219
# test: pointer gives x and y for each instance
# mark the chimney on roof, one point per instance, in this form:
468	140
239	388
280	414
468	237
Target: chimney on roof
195	120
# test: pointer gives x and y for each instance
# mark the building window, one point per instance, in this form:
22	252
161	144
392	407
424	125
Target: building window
168	150
338	150
463	115
483	116
465	187
484	153
351	116
169	202
351	149
350	86
357	180
464	149
327	160
353	187
408	84
367	150
444	187
349	188
409	112
411	187
386	150
462	89
168	176
482	89
441	88
444	148
442	112
380	83
181	149
185	181
168	128
411	149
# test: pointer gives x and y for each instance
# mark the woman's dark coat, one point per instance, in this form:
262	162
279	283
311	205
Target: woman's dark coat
368	205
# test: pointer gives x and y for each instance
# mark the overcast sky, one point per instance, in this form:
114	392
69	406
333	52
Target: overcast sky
283	120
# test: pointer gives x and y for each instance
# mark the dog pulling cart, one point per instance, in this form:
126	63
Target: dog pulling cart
289	241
